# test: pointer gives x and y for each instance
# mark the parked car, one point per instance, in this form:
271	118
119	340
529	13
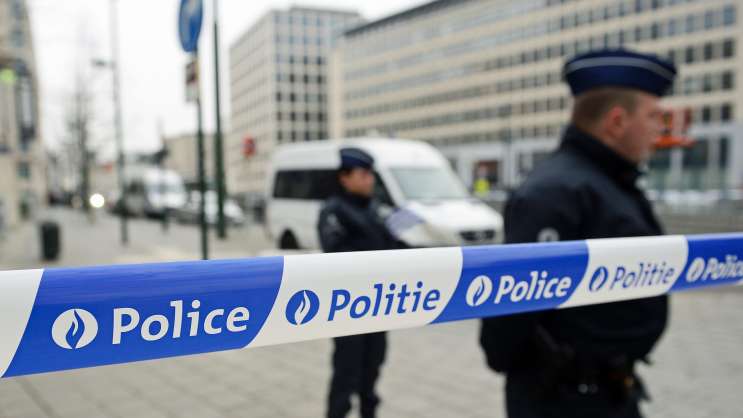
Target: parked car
190	212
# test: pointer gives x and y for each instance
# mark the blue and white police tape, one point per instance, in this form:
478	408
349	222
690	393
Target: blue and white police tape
67	318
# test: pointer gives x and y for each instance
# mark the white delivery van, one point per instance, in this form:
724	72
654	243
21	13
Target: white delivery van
426	202
151	191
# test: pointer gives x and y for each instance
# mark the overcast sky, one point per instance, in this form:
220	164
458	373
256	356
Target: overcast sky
68	34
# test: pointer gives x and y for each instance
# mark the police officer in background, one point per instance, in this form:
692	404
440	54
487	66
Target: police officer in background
580	362
349	221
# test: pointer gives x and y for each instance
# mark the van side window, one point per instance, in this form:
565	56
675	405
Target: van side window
305	184
380	191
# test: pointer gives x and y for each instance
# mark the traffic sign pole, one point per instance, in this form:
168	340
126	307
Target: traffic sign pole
204	228
190	16
218	150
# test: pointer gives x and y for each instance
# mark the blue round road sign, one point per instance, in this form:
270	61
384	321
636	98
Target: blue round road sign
189	24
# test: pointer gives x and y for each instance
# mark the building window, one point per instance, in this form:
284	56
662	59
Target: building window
726	112
24	170
728	48
708	51
655	31
672	27
638	33
689	57
728	80
707	83
696	156
706	114
690	24
728	16
672	55
724	150
661	160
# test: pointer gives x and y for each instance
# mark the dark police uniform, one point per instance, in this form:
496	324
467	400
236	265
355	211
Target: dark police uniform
351	223
579	362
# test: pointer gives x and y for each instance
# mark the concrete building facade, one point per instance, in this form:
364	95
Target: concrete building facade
278	88
22	157
182	156
481	80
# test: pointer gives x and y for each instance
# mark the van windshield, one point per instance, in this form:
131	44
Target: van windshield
428	183
166	187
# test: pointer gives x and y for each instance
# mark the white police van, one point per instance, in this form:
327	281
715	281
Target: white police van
426	202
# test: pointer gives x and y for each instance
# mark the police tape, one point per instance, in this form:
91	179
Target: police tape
68	318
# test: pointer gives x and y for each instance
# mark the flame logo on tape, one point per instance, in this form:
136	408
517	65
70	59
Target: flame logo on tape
599	279
74	328
479	291
302	307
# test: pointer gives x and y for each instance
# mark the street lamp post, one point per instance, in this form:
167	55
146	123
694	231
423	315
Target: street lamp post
113	65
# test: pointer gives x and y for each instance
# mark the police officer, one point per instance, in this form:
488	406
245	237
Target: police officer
580	362
349	221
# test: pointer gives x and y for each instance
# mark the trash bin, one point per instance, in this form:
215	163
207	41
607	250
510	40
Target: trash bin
50	240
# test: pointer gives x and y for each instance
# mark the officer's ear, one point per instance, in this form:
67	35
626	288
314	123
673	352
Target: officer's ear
615	121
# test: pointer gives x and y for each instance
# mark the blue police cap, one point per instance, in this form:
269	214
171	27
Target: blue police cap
619	68
355	158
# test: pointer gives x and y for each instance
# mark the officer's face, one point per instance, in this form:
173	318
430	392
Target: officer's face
358	181
643	127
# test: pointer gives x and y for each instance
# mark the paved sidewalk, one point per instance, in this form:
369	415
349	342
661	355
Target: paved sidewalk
431	372
86	242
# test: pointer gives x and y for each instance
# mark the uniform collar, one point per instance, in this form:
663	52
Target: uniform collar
616	166
356	200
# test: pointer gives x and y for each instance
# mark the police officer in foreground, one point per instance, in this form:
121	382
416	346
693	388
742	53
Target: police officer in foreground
580	362
349	221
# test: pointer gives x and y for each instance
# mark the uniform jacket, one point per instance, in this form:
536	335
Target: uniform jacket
352	223
583	190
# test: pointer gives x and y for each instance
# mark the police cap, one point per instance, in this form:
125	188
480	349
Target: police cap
355	158
619	68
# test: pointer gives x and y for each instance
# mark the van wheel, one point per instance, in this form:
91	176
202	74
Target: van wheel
288	241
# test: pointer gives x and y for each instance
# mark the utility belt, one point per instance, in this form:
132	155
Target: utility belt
562	372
